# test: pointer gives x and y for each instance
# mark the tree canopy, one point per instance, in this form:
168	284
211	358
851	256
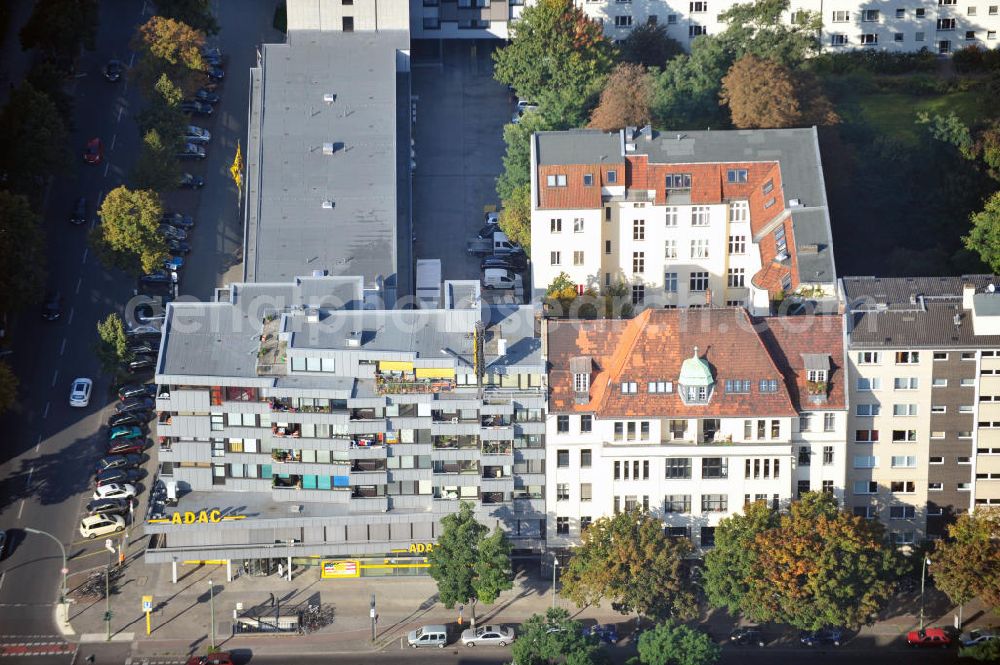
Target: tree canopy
111	348
515	217
468	563
625	100
33	143
555	638
821	567
22	253
729	565
967	563
764	93
58	28
628	560
129	227
759	28
984	236
517	158
156	167
649	45
686	91
673	643
171	47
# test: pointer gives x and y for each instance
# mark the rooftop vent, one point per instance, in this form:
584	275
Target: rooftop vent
328	149
795	203
319	273
329	97
312	315
295	508
354	339
327	205
629	147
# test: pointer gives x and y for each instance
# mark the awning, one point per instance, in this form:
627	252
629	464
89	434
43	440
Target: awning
435	373
395	366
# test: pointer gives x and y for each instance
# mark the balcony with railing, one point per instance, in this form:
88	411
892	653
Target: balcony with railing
306	405
286	481
455	442
439	416
488	422
367	414
404	383
497	472
493	498
497	448
456	493
470	467
292	430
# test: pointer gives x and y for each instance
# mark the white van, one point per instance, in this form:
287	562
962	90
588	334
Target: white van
500	278
428	636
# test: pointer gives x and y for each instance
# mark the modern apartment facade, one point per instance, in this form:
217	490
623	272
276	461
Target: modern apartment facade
316	424
691	414
924	428
735	218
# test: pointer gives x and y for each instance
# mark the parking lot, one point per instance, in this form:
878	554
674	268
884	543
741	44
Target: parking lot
460	114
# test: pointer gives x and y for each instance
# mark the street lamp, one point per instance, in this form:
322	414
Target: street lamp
555	569
64	594
211	603
923	575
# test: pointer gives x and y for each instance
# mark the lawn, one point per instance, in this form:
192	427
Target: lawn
895	113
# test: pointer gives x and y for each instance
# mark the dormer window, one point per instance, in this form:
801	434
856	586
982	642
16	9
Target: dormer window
581	367
695	394
581	383
816	375
696	381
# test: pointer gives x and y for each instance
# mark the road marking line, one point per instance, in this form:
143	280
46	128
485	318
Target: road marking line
20	510
45	414
2	576
84	556
86	250
69	321
131	60
120	109
114	139
31	472
39	442
106	166
55	377
79	282
62	347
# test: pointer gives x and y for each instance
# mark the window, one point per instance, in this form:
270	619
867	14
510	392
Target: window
739	211
700	215
639	229
838	39
677	503
678	181
736	176
638	294
904	461
714	503
562	526
698	281
991	34
869	358
935	487
935	459
347	23
869	15
993	10
737	386
963	460
578	225
866	512
671	217
920	12
586	492
904	409
906	383
867	409
555	225
970	35
678	468
670	249
735	277
805	422
607	246
623	21
670	282
897	37
555	258
827	455
638	262
588	179
715	467
619	435
865	487
840	17
629	387
901	435
865	461
770	202
578	258
562	426
586	425
869	39
902	487
581	382
968	383
556	180
780	244
660	386
827	487
585	457
866	436
768	386
699	7
612	176
868	384
902	537
829	422
900	13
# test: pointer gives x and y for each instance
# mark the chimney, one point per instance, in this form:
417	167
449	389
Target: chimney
647	131
968	290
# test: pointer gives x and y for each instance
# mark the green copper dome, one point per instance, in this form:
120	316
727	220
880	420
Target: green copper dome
695	371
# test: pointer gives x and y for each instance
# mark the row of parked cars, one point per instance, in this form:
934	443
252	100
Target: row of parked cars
118	472
925	637
502	260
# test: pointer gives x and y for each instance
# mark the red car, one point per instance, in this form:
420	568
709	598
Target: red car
217	658
125	447
94	154
928	637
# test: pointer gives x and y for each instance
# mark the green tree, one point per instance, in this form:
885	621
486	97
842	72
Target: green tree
558	57
170	47
22	253
163	112
673	643
129	228
950	129
517	158
157	167
468	564
111	348
8	387
554	637
649	45
58	28
729	565
984	236
628	560
759	28
33	143
624	100
686	92
987	652
515	217
821	567
967	564
195	13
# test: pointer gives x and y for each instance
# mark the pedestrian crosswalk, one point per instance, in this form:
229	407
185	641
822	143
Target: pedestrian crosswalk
34	645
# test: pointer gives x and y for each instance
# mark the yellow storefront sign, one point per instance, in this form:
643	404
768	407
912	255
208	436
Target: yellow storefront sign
395	366
340	569
435	373
200	517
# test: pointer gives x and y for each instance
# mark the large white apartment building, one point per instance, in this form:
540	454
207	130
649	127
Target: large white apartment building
736	218
690	414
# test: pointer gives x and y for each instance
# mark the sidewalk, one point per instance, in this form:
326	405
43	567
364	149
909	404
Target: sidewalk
181	618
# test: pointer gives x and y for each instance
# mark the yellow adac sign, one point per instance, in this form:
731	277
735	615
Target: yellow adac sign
416	548
200	517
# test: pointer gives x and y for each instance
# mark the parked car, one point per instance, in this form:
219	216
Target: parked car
93	153
928	637
178	220
136	404
606	633
101	525
144	346
191	151
491	218
195	134
172	233
159	277
188	181
108	506
125	432
141	364
130	447
178	247
212	55
173	263
490	635
428	636
118	462
119	476
217	658
974	637
113	70
150	328
79	394
114	492
521	110
515	261
52	306
193	107
79	213
494	278
136	390
129	418
524	103
822	636
215	73
748	636
206	97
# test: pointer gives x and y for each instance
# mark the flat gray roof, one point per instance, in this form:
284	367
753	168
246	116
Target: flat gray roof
289	230
579	146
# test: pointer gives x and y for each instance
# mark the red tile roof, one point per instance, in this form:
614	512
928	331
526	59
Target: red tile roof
788	337
652	347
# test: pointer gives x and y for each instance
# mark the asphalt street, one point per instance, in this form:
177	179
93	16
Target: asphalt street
50	447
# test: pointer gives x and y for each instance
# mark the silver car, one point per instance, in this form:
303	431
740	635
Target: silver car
974	637
498	636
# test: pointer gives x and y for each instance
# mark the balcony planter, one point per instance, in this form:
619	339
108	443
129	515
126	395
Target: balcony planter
817	391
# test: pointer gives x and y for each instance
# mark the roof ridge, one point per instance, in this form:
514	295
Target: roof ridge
770	357
618	359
